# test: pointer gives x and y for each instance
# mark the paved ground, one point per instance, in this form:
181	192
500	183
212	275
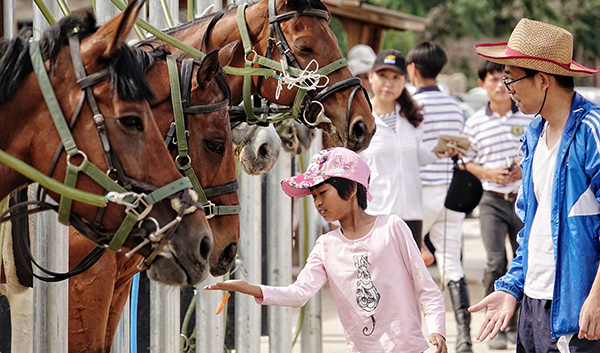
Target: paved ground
474	262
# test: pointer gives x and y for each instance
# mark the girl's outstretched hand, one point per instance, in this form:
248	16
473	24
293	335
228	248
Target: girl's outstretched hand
439	342
237	285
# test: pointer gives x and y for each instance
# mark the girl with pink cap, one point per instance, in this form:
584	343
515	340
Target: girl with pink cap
377	278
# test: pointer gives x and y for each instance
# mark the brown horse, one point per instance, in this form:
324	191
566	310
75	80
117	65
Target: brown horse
117	93
303	28
97	296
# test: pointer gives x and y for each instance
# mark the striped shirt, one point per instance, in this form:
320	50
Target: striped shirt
494	140
442	116
389	119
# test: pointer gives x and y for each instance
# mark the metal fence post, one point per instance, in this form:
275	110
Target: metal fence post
312	330
121	341
156	15
279	252
247	312
9	23
210	328
51	309
105	10
164	318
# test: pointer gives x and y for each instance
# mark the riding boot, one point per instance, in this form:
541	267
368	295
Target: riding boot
488	282
459	294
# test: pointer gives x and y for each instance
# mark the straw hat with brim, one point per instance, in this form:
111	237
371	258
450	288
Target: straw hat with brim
538	46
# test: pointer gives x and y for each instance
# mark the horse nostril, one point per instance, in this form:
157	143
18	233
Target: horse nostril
206	246
358	130
228	254
263	150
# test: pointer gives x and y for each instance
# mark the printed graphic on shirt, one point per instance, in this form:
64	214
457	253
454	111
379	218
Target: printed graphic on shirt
367	296
517	130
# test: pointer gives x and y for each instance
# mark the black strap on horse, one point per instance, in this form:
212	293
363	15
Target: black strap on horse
18	214
86	83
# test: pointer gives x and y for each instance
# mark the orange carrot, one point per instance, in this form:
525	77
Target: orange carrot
222	305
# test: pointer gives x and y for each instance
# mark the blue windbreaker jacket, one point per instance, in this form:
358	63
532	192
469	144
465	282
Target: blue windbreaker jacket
575	214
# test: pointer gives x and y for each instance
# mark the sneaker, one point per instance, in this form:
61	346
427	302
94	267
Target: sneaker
498	342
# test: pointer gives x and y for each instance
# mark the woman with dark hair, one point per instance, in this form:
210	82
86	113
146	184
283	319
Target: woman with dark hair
395	152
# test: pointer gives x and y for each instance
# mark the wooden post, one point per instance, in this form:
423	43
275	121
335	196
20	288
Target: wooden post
363	33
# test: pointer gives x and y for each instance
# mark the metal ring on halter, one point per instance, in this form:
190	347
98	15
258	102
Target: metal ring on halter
246	55
189	160
157	235
150	219
144	242
85	158
307	111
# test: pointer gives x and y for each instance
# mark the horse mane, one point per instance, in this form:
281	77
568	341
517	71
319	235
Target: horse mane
300	7
126	76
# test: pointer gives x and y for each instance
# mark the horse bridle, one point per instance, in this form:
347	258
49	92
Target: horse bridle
137	204
178	134
313	103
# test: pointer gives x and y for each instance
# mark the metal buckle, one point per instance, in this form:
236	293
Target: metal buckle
209	209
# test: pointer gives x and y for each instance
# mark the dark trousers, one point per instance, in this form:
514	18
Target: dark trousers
534	334
497	218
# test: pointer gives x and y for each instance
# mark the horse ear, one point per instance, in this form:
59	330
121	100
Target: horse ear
230	51
209	68
108	38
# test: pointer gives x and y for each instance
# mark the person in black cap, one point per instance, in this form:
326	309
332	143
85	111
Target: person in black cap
395	152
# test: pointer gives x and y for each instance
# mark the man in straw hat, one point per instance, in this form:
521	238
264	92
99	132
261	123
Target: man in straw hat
555	273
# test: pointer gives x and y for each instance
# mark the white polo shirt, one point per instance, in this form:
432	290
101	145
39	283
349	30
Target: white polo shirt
494	139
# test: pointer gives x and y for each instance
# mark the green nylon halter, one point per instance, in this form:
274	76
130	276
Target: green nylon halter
72	171
182	147
275	66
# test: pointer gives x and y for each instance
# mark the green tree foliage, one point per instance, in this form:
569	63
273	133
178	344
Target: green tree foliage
455	20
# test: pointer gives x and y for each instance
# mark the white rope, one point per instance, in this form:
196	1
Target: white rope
308	80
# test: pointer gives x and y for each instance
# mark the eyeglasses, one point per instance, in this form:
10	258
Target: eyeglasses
507	83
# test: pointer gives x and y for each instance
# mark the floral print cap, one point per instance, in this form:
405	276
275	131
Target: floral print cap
333	162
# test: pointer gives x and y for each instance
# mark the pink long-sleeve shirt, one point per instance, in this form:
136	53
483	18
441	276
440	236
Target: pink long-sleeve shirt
377	283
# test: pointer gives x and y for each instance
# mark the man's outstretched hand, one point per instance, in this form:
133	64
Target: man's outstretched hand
500	307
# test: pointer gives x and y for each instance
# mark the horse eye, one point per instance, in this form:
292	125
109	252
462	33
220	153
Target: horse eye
216	147
304	48
132	122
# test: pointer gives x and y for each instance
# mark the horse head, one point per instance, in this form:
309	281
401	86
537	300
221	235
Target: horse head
338	104
104	98
257	147
205	98
295	137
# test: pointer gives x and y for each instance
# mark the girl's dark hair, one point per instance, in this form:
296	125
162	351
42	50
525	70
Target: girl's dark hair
345	187
410	109
566	82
